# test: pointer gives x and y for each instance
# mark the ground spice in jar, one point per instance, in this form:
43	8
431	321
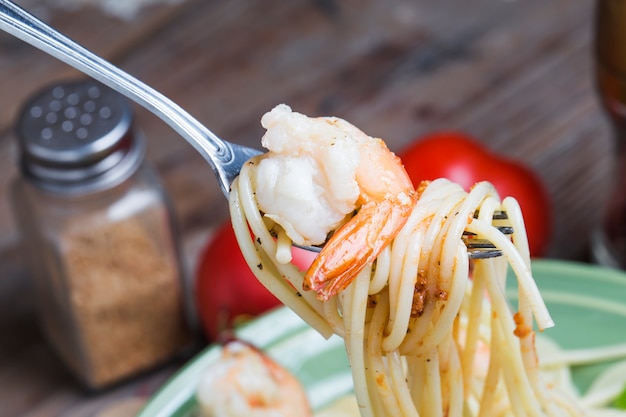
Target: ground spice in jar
125	295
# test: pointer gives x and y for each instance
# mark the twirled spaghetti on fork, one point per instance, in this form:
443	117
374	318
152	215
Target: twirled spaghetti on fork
426	333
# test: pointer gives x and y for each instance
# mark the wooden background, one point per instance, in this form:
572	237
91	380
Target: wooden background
517	74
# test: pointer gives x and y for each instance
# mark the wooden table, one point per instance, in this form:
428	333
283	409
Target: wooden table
516	74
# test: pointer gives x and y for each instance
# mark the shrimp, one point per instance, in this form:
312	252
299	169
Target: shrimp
245	382
317	174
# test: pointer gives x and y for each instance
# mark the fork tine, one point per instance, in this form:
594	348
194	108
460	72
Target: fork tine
478	248
483	253
506	230
499	215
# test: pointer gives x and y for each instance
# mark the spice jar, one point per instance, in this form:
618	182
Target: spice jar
99	235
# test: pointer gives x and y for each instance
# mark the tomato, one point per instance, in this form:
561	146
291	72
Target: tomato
462	159
226	291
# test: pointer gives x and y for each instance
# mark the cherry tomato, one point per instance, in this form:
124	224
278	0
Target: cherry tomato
462	159
227	292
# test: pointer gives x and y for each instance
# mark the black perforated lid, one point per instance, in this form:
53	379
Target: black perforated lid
78	134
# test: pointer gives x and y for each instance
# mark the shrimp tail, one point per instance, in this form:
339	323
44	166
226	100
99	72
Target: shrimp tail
355	244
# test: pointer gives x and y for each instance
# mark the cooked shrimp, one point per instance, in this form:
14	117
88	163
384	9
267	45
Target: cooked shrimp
317	173
245	382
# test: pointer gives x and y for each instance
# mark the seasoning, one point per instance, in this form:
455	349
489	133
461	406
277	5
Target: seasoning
99	233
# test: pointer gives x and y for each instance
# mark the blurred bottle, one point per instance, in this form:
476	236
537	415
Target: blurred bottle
99	235
609	240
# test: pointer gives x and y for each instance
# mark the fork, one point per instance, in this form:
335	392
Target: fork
478	248
225	158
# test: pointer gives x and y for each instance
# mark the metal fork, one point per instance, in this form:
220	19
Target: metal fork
225	158
478	248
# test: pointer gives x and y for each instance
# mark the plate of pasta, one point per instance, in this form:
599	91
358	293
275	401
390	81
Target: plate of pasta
583	353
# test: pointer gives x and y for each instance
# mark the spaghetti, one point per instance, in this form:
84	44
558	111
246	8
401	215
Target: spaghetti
427	333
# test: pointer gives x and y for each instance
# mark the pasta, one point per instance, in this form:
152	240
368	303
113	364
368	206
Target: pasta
427	333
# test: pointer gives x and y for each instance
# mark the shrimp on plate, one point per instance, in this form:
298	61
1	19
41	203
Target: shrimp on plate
245	382
325	177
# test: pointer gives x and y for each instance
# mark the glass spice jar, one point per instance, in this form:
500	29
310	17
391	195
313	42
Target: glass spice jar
99	233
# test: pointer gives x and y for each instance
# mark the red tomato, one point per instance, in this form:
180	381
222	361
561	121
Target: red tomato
226	290
460	158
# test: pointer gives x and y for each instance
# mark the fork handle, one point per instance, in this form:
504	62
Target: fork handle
218	153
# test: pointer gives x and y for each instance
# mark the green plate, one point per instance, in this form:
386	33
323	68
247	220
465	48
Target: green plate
588	304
